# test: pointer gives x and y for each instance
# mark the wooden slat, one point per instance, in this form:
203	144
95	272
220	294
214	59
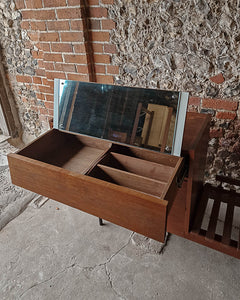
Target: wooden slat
229	180
228	224
133	181
226	195
201	210
213	220
215	244
144	168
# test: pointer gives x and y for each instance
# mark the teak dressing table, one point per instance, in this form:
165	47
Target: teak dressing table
143	190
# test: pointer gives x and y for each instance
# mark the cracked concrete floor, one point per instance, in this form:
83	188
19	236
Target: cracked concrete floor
57	252
13	199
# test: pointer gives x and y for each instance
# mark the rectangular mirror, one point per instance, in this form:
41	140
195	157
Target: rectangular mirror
147	118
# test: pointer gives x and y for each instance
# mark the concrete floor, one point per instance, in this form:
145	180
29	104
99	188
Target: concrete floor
57	252
13	199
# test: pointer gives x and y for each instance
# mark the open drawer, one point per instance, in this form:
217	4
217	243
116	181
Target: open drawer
128	186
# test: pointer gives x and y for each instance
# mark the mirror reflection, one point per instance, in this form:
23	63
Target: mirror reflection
136	116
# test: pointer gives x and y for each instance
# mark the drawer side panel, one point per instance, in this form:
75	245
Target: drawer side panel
139	212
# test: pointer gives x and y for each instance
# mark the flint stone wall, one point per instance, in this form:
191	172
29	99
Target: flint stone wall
18	60
191	46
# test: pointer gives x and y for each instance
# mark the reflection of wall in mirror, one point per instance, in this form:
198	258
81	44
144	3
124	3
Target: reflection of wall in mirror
162	129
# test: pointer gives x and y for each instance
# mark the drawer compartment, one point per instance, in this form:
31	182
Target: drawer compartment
138	166
130	180
124	185
72	152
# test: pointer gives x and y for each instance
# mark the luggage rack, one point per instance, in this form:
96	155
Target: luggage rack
209	233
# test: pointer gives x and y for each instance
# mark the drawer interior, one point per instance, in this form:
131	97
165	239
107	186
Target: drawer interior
138	166
138	169
69	151
130	180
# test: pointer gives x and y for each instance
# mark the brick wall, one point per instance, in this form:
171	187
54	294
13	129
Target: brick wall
69	40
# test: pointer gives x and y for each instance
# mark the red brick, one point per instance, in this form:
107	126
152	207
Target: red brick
34	36
53	57
44	46
58	25
41	25
94	24
72	36
40	96
226	115
48	66
97	48
220	104
25	25
77	25
108	24
37	80
65	67
49	105
108	48
61	47
47	89
48	82
40	72
41	63
73	2
49	97
24	79
100	36
39	14
80	48
69	13
77	77
82	69
107	1
54	3
100	69
217	78
93	2
51	83
19	4
101	58
74	58
216	132
104	79
194	101
97	12
45	81
112	69
50	113
49	37
37	54
33	3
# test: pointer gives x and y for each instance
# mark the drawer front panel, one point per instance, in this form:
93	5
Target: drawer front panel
134	210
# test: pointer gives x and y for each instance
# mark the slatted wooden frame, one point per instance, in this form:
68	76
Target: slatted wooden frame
219	195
